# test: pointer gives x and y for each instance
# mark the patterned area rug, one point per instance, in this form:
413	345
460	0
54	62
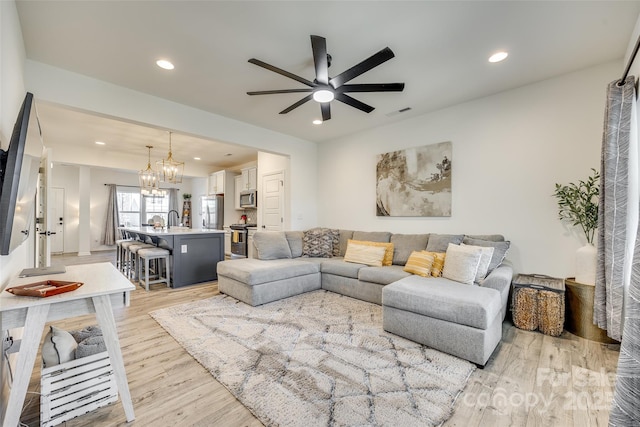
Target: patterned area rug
317	359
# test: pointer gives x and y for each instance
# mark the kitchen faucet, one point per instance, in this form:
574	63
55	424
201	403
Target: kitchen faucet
169	214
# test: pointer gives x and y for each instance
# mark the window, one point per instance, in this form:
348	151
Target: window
129	206
153	207
135	209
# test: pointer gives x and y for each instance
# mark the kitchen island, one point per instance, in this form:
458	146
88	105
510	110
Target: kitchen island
195	253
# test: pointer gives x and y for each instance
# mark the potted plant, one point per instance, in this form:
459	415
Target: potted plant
578	204
186	196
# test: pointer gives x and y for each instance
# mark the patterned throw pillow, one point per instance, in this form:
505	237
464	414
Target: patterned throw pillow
438	263
317	243
419	263
388	253
364	254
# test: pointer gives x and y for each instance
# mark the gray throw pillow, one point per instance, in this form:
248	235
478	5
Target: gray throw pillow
499	251
271	245
440	242
405	244
294	238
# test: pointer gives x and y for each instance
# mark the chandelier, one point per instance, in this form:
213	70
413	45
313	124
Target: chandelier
170	170
148	177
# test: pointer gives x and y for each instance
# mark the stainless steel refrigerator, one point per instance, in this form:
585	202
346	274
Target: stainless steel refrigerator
213	212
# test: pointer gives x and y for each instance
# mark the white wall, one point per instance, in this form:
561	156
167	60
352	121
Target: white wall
67	177
508	151
59	86
12	92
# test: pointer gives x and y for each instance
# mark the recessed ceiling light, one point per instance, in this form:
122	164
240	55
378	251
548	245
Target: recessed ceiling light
498	56
163	63
317	122
196	158
101	143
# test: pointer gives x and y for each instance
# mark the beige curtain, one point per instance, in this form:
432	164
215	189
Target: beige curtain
111	232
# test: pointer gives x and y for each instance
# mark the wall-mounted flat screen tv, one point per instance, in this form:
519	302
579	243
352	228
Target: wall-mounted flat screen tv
19	166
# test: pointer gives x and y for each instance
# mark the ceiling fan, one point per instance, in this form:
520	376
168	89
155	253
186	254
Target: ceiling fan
324	89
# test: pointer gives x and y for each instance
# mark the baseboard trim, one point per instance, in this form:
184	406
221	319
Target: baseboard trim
84	253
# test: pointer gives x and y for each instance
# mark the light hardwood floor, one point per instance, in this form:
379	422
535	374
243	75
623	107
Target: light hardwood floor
531	379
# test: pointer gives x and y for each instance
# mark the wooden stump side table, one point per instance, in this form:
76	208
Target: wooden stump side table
579	318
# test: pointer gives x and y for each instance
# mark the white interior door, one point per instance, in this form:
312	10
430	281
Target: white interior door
56	241
273	201
44	226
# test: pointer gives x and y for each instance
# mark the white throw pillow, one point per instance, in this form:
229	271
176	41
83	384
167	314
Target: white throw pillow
461	263
59	347
365	254
485	260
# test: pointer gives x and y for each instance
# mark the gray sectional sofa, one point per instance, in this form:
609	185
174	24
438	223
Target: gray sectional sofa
459	319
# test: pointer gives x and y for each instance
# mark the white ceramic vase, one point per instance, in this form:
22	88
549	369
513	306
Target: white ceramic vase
586	264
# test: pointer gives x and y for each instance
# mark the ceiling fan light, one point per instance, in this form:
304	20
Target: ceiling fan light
323	95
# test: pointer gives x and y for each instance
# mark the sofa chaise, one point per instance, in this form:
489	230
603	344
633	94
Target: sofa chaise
462	319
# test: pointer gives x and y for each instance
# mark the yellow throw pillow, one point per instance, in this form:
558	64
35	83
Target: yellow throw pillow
364	254
388	254
419	263
438	263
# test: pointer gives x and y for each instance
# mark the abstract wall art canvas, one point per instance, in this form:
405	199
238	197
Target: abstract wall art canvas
415	181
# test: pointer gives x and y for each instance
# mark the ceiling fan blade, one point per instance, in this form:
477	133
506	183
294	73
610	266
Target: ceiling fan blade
372	87
319	46
325	108
281	72
272	92
354	103
297	104
361	68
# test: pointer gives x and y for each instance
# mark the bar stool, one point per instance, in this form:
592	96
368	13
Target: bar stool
124	255
120	251
158	255
133	260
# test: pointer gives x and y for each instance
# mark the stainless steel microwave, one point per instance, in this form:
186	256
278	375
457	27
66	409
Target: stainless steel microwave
248	199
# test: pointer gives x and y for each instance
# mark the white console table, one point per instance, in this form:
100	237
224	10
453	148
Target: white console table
104	288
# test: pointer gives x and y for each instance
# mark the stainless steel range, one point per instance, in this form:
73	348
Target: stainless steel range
239	234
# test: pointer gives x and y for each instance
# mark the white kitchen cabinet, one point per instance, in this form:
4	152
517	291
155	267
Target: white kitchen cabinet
216	183
227	241
249	178
238	190
250	248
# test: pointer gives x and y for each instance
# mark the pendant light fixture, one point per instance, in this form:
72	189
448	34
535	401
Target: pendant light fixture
170	170
148	177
